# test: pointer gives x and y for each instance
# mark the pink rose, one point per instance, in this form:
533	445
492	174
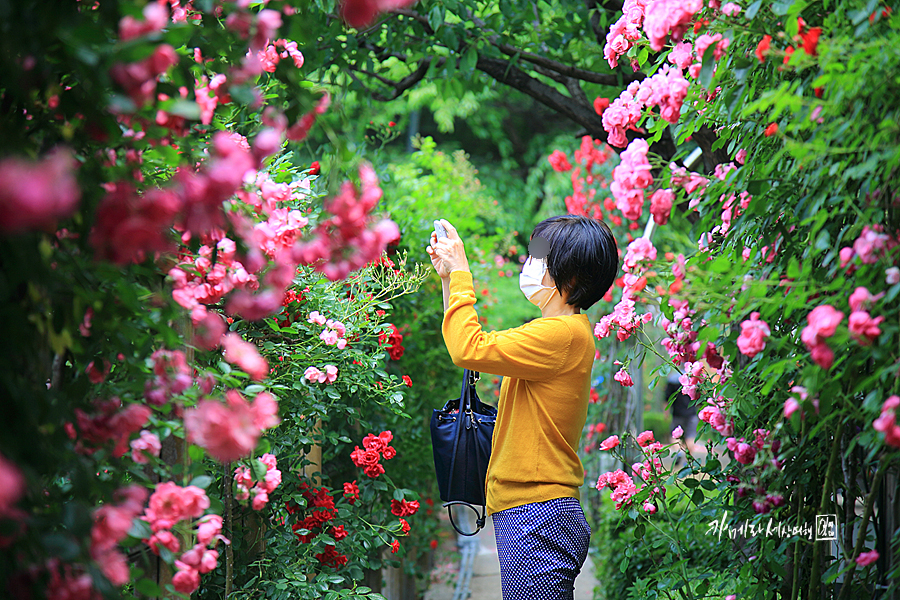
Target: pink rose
12	485
790	407
624	378
609	443
209	527
863	327
227	432
186	580
867	558
245	355
661	205
265	412
34	195
645	438
149	443
677	432
753	336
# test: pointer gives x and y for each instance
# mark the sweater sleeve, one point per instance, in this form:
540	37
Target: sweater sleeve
535	351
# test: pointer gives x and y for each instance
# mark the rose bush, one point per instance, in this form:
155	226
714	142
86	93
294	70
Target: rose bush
792	237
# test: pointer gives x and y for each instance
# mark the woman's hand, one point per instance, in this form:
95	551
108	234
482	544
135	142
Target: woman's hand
447	254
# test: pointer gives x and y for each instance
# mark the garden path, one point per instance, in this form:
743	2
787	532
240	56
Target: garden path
484	583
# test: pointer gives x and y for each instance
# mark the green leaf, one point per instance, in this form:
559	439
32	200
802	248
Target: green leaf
709	65
202	481
697	497
781	8
147	587
751	11
184	108
469	59
140	529
259	469
436	17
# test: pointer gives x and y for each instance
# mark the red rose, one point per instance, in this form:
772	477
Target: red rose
771	129
374	471
373	442
314	168
762	49
402	508
351	492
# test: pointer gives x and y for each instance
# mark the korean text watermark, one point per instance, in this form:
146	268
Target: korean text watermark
823	529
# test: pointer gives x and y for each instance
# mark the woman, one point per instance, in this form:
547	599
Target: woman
534	472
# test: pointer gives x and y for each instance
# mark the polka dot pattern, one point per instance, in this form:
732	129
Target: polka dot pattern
541	547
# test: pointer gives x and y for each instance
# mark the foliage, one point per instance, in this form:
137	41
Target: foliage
798	214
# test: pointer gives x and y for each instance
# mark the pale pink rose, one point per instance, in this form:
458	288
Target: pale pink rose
730	9
609	443
243	493
227	432
753	336
867	558
245	355
315	317
330	373
649	508
892	276
677	432
209	527
314	374
149	443
741	156
681	55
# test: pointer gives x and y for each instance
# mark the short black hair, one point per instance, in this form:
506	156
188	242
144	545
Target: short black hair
583	259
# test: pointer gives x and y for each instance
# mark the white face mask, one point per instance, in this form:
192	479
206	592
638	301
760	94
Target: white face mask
531	282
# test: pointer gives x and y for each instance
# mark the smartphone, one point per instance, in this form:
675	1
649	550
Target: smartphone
439	229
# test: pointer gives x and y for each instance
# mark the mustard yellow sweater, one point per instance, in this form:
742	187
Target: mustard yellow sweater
546	369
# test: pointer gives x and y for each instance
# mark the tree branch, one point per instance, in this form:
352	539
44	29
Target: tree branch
504	72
